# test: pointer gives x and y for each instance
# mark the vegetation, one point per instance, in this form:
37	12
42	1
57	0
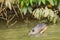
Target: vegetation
37	9
27	13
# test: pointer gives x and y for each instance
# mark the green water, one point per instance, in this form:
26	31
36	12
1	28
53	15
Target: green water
20	32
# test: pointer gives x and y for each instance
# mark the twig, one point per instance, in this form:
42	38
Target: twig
1	15
20	11
2	4
6	15
13	23
2	10
15	11
10	19
3	18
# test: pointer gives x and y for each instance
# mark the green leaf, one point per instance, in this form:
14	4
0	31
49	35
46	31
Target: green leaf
43	1
31	2
51	18
27	2
30	9
55	19
59	6
51	2
36	13
39	2
24	10
22	4
55	2
41	12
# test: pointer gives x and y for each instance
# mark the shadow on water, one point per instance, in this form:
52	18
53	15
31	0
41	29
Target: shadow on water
21	29
2	24
19	24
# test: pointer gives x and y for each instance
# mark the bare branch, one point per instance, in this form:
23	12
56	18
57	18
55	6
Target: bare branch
15	11
11	19
2	10
13	23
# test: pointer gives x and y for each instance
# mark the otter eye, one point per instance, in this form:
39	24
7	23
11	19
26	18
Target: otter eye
33	30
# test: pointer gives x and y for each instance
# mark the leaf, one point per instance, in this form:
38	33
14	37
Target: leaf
49	5
22	4
8	4
24	10
43	1
36	13
15	1
55	2
51	2
27	2
59	6
46	11
30	9
31	2
51	18
55	18
12	1
39	2
41	12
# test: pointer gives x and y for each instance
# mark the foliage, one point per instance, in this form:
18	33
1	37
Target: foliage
49	14
28	3
31	2
25	9
25	6
59	5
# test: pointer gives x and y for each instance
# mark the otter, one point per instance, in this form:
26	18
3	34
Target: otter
38	29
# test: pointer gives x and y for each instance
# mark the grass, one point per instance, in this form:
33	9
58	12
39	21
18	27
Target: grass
20	32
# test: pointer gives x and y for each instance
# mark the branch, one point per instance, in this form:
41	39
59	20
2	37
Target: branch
3	18
20	11
13	23
10	19
2	10
15	11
